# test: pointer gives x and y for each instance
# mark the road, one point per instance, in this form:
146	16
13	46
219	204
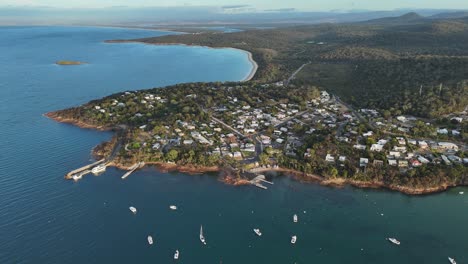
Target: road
295	73
291	118
228	126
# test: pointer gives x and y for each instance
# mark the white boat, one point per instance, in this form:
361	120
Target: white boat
293	239
452	260
176	254
295	218
461	192
202	237
173	207
133	209
394	241
98	169
257	231
77	177
150	240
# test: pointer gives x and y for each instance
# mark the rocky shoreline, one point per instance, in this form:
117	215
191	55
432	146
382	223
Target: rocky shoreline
298	175
55	116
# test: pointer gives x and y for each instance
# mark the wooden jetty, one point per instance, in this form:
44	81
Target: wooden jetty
132	169
257	181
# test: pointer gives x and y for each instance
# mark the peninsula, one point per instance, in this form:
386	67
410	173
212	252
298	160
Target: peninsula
372	104
69	63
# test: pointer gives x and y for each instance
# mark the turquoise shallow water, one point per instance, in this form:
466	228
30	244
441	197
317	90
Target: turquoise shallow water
45	219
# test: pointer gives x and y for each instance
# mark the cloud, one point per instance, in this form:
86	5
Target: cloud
281	10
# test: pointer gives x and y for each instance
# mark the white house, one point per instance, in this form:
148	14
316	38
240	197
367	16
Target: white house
329	158
376	147
442	131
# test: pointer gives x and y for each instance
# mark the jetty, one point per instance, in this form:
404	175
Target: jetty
257	181
83	170
132	169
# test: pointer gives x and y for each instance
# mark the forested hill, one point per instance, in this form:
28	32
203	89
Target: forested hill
381	63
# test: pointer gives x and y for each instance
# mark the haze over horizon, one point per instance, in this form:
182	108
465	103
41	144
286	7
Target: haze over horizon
244	5
24	12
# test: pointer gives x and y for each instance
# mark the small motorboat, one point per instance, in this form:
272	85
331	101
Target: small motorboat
77	177
133	209
202	237
452	260
257	231
176	254
394	241
293	239
461	193
173	207
150	240
295	218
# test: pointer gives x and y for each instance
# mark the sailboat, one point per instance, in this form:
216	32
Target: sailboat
202	237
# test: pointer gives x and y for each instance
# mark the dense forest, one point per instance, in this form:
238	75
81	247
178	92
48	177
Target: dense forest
381	63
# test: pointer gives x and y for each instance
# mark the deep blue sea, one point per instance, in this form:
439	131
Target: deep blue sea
46	219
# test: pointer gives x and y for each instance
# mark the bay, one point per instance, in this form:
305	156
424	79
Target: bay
46	219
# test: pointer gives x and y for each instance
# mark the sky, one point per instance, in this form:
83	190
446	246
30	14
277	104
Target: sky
303	5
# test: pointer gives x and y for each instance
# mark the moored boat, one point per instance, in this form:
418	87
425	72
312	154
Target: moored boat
293	239
295	218
257	231
98	169
452	260
150	240
173	207
176	254
133	209
394	241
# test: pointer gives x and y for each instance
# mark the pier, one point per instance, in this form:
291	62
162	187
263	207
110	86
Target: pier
83	170
132	169
257	181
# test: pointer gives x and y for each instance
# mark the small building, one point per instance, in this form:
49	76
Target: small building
360	147
416	163
402	163
442	131
423	160
423	144
376	147
378	163
329	158
363	162
447	146
188	142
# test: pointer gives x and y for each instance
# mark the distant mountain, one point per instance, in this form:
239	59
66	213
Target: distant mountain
450	15
407	18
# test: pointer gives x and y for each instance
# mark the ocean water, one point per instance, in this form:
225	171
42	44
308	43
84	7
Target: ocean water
46	219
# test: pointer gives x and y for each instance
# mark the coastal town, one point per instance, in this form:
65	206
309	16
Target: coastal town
260	127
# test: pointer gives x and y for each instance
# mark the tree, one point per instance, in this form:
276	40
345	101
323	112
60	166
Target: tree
172	155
